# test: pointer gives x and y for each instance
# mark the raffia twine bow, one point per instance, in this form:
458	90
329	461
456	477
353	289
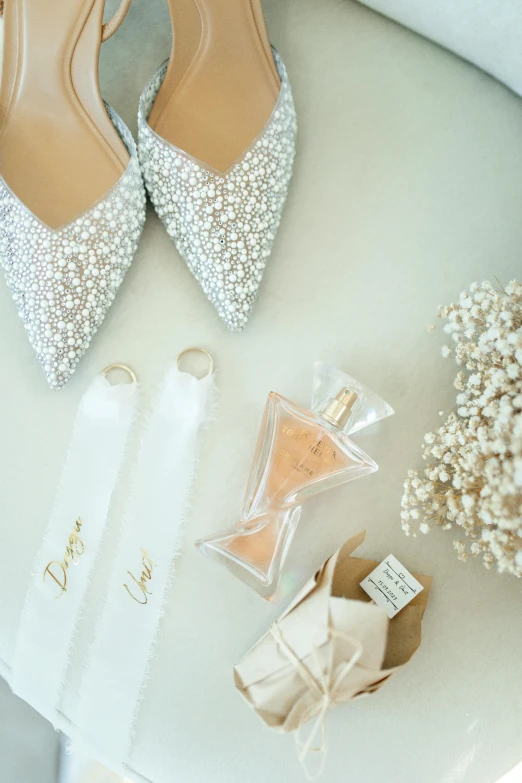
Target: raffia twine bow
324	688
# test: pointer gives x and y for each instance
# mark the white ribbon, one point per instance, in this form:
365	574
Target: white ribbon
64	564
322	688
151	538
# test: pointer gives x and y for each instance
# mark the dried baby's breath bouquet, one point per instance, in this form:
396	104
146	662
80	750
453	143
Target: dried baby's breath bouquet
473	479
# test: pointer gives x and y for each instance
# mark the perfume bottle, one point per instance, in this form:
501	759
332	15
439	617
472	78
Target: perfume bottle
299	453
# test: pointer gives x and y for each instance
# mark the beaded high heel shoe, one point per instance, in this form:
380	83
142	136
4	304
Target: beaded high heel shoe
72	201
217	131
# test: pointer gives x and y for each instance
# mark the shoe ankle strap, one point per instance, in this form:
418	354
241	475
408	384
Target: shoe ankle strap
110	27
113	24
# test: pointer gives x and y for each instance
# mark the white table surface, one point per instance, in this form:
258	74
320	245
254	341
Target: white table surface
408	186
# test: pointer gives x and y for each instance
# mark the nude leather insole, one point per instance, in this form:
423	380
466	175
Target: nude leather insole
221	84
59	152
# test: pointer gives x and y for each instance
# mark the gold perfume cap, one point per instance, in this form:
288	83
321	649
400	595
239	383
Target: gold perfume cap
337	410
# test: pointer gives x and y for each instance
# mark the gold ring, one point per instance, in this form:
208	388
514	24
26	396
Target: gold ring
204	352
128	370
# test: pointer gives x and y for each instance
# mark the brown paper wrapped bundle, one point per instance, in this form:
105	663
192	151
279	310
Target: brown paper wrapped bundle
330	646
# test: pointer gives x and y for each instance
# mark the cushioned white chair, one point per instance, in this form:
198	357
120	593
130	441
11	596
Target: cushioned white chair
408	186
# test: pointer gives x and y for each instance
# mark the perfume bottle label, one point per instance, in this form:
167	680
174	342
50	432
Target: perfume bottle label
391	586
316	443
302	453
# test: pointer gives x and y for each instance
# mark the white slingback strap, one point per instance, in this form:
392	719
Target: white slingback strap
110	27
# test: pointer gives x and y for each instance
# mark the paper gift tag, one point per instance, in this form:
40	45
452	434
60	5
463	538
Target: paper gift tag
391	586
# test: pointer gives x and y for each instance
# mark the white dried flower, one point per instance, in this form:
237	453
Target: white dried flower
473	475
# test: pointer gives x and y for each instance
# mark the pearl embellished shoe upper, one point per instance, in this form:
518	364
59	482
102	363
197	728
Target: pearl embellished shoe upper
63	281
223	224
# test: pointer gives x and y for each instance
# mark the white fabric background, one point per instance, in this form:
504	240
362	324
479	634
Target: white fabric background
485	32
28	745
408	186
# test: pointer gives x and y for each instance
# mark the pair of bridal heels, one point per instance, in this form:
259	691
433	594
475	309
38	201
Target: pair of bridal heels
215	153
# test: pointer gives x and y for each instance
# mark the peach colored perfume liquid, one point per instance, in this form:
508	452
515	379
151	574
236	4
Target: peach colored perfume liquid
298	454
302	454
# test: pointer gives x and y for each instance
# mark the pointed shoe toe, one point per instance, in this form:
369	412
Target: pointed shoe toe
64	280
223	223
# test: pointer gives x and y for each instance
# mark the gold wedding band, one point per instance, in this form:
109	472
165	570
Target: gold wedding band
128	370
199	350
